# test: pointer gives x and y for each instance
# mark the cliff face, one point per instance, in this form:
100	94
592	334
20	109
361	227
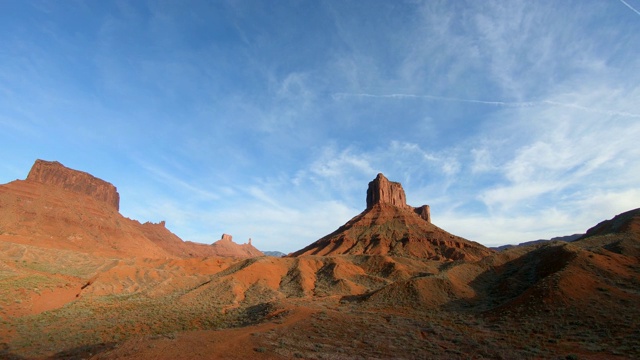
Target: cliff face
54	173
383	191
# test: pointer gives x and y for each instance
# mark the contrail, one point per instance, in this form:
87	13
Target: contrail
432	97
597	111
492	103
630	7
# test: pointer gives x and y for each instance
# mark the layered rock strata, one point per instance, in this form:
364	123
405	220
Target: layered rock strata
54	173
383	191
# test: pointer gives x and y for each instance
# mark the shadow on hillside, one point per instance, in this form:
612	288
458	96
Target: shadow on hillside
83	352
504	283
5	354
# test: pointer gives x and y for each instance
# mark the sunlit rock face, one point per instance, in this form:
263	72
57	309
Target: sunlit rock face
54	173
383	191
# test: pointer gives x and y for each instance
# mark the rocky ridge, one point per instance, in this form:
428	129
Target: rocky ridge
56	174
61	208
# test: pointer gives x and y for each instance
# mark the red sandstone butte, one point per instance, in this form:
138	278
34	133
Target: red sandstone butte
383	191
54	173
389	226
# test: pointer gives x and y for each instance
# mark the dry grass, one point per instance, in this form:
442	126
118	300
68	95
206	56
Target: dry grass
358	307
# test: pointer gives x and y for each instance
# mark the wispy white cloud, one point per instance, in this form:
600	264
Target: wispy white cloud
338	164
520	115
174	181
340	96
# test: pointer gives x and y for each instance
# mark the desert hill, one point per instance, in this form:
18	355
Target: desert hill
626	223
225	247
383	295
619	235
389	226
58	207
527	302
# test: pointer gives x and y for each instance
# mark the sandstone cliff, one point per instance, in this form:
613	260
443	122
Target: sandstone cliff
391	227
61	208
54	173
383	191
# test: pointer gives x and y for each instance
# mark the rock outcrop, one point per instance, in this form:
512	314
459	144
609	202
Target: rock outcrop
54	173
424	212
60	208
383	191
226	247
391	227
175	246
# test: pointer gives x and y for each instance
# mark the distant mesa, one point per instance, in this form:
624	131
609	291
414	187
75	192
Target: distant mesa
58	207
274	253
389	226
54	173
226	247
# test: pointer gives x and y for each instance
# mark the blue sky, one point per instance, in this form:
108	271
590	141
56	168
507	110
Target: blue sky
515	120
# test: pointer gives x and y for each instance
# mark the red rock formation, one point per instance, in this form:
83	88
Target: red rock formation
60	208
172	244
424	212
54	173
49	216
383	191
226	247
390	226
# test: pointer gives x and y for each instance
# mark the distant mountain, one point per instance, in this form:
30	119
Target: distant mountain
62	208
566	238
389	226
274	253
625	223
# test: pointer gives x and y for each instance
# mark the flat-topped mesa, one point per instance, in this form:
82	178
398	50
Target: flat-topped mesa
54	173
383	191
